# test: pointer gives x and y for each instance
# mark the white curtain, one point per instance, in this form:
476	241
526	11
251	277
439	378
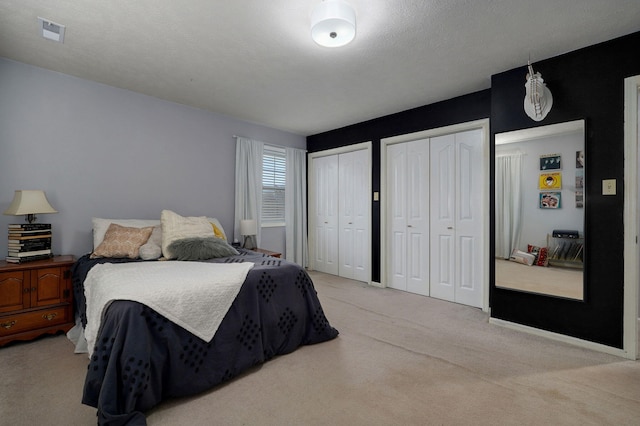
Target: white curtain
508	203
248	184
295	212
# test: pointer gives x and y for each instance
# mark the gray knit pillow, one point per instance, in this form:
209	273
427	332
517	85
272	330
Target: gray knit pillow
198	248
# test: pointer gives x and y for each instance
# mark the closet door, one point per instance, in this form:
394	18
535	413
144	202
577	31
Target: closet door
443	217
469	218
325	212
397	207
457	179
354	235
408	188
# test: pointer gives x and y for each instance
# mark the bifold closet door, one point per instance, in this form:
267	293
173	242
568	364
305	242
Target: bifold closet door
326	214
354	247
408	213
457	179
341	215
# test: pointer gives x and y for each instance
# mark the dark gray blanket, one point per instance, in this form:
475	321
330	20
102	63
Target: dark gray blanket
141	358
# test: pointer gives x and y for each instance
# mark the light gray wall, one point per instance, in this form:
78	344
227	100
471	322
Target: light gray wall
106	152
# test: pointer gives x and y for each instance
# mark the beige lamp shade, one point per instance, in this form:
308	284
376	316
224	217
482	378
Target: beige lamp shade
29	203
248	227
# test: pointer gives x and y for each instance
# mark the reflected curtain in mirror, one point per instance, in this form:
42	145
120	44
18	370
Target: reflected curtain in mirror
508	203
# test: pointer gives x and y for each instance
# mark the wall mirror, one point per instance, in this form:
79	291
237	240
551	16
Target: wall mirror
540	210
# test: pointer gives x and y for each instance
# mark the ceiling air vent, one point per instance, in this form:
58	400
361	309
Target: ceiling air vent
51	30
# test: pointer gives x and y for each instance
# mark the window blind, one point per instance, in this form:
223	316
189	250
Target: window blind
274	172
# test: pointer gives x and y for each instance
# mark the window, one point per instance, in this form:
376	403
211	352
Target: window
274	171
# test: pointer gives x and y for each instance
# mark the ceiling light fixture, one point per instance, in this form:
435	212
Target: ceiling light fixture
333	23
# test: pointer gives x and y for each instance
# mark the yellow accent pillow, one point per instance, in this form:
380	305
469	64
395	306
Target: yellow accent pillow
218	225
120	241
217	232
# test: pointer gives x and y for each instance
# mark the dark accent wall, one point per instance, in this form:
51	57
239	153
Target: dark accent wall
587	83
474	106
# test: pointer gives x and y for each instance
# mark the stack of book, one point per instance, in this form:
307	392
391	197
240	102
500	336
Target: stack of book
28	242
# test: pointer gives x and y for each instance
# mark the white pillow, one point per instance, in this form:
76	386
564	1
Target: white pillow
176	227
100	226
152	249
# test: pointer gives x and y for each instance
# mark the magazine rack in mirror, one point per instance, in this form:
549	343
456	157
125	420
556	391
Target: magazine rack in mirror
539	218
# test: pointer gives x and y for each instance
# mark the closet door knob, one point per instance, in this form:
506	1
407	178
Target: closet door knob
449	227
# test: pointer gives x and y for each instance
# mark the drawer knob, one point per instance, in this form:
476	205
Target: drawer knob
49	317
8	324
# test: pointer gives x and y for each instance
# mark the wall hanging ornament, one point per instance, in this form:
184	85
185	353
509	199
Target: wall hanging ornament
538	99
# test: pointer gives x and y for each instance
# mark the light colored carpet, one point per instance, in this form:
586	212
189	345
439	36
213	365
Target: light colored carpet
556	281
400	359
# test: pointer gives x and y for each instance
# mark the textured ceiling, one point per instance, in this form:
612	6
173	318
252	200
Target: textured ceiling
255	60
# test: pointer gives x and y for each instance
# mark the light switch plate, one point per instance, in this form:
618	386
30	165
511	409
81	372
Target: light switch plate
608	187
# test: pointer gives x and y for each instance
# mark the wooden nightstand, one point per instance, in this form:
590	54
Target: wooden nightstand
35	298
267	252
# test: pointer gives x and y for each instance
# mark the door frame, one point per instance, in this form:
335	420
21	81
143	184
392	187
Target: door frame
482	124
631	218
368	146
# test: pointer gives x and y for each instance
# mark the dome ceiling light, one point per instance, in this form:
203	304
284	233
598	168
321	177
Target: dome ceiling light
333	23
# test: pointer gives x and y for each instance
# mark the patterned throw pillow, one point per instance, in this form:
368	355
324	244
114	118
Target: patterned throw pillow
100	226
534	250
540	253
543	258
120	241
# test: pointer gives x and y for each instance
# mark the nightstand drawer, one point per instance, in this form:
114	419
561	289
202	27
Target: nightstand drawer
12	324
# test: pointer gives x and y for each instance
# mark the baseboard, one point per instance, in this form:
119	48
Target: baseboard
376	284
562	338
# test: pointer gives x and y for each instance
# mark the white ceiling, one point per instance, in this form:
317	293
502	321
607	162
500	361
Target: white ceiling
255	60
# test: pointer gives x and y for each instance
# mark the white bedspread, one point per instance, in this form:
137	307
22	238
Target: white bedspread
194	295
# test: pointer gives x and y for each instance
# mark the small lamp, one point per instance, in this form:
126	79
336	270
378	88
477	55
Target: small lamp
248	228
29	203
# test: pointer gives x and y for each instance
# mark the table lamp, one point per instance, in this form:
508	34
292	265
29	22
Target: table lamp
248	228
29	203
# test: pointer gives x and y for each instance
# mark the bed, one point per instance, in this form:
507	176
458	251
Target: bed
140	358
